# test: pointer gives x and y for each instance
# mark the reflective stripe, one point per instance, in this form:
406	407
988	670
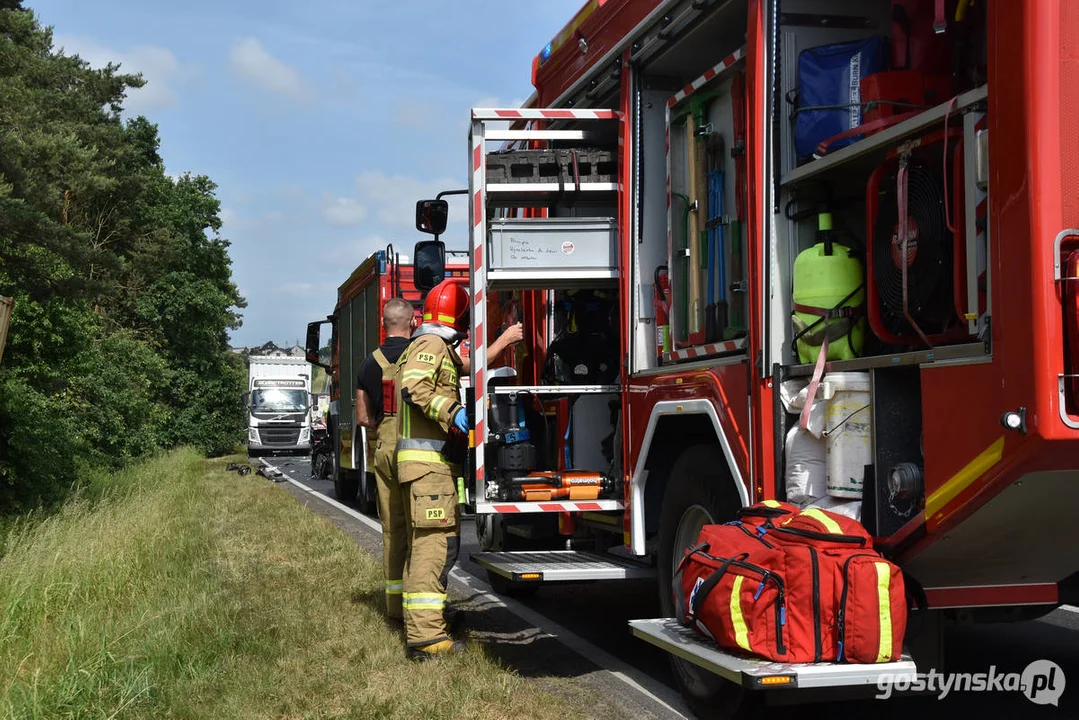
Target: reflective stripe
441	318
406	421
741	632
829	524
425	456
420	444
435	409
770	503
424	601
884	581
448	366
394	587
417	375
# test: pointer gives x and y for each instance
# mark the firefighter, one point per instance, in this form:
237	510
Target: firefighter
429	409
376	410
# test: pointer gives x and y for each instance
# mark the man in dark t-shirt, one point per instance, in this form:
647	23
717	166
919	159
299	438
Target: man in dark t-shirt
375	373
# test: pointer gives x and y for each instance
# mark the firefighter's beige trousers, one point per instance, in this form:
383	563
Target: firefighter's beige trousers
391	512
434	530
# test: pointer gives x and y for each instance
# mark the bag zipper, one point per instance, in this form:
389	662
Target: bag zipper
756	536
821	536
816	606
841	616
781	604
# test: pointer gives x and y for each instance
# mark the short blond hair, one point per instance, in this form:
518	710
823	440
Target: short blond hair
397	314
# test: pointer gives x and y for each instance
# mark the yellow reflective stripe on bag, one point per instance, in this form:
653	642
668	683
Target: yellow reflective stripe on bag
884	581
738	621
829	524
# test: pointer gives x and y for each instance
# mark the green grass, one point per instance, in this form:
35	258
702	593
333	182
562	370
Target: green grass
179	590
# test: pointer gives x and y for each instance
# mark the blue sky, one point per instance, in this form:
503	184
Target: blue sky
322	122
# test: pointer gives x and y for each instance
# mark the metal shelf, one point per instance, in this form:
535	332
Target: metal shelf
561	565
557	389
546	279
945	354
708	350
545	506
542	194
886	138
758	673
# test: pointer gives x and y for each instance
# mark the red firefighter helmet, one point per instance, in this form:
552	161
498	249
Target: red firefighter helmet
448	305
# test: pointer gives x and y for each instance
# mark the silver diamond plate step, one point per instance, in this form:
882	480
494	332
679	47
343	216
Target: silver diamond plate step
687	644
560	565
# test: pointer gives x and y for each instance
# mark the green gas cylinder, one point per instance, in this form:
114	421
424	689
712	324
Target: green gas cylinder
824	275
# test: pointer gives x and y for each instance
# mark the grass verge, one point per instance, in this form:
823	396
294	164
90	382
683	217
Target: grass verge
181	590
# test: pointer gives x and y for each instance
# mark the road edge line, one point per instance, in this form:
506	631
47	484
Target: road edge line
618	669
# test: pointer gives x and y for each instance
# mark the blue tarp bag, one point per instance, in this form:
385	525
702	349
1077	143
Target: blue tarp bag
829	75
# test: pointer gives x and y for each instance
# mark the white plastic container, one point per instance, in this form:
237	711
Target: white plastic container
849	423
807	467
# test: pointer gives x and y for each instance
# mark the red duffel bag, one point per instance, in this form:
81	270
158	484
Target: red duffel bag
809	588
859	608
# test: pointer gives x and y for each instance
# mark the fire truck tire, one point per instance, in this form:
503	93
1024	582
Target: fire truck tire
698	494
367	494
345	486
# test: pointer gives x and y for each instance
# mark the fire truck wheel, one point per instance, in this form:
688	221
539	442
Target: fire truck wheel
698	493
344	486
367	494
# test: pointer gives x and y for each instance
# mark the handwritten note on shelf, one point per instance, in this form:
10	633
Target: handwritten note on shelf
522	249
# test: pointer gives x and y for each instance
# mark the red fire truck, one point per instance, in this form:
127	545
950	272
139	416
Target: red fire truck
702	199
354	332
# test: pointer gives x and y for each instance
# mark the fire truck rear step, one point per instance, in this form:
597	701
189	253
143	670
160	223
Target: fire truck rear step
759	674
560	566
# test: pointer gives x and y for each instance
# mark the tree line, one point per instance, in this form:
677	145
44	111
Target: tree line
122	284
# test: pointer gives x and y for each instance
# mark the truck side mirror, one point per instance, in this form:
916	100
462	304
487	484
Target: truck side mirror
431	216
428	265
314	344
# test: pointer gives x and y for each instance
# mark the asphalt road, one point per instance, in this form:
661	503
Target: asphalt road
598	613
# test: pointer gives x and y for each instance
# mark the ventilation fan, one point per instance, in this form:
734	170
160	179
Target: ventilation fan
935	257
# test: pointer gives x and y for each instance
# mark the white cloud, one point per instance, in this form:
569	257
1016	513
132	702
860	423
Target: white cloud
251	61
308	289
395	198
158	66
352	252
344	212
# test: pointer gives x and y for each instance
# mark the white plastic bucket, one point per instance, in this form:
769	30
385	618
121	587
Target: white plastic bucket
849	427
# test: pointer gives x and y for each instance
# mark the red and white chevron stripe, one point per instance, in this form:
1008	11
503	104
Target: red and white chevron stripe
708	76
479	280
557	506
702	351
542	114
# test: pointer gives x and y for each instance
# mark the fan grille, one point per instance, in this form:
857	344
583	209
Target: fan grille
929	256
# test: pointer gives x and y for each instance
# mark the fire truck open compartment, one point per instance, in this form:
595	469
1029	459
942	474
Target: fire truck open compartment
920	304
836	241
551	232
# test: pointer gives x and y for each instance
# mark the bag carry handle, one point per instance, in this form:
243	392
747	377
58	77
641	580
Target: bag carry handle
712	581
679	593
